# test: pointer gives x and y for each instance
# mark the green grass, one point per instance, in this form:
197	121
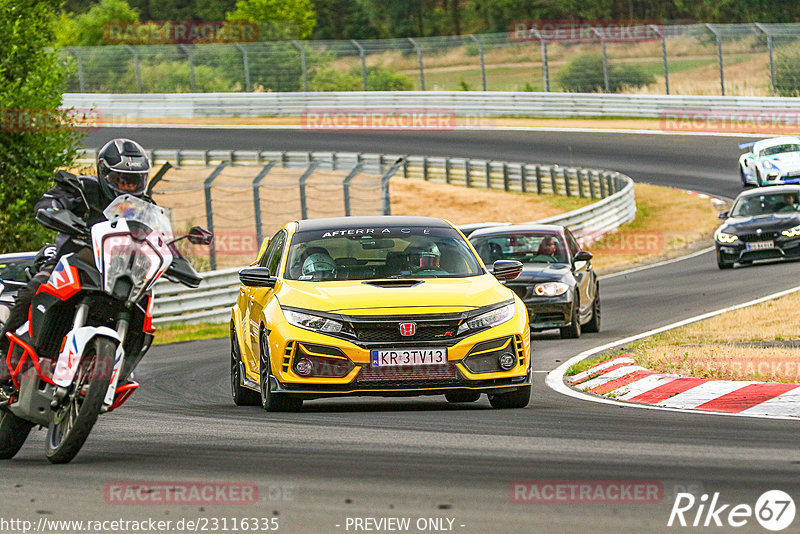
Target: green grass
190	332
583	365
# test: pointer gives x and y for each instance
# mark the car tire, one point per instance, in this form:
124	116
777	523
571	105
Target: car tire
516	399
270	401
462	396
573	330
241	395
759	179
742	176
594	323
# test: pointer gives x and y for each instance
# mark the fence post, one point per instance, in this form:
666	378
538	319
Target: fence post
663	36
483	64
591	184
605	59
601	178
421	67
363	61
447	170
425	168
190	56
579	173
538	180
387	206
567	185
136	66
257	198
212	250
157	177
769	48
488	175
81	80
719	55
246	65
523	177
467	173
302	65
505	177
312	166
553	183
346	186
610	185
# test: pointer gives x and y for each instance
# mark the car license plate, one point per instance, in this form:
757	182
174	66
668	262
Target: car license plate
410	356
761	245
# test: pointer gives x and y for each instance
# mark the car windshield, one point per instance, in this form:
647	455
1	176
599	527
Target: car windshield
526	247
766	204
780	149
379	253
15	269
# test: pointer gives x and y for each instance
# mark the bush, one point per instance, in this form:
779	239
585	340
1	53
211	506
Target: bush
329	78
787	76
584	74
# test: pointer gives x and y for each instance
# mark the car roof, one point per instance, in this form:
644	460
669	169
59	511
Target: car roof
764	143
514	228
347	223
773	189
17	256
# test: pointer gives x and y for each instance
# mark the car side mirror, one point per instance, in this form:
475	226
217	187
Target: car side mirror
583	255
257	277
199	236
723	215
506	269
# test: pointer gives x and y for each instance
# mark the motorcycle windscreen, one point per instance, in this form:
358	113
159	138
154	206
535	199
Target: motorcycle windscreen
129	266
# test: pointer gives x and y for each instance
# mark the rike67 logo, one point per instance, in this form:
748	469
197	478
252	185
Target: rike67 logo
774	510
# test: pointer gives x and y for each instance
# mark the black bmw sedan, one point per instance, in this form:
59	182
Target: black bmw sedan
557	284
763	223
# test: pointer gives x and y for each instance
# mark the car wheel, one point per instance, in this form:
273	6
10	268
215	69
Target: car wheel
722	264
242	396
516	399
594	324
462	396
271	401
573	330
742	176
759	179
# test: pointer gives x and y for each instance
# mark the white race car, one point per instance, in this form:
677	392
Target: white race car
770	162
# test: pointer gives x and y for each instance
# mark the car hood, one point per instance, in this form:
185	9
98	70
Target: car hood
785	161
543	272
765	223
376	297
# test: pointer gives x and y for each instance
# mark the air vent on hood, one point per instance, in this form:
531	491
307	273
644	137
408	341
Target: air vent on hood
400	282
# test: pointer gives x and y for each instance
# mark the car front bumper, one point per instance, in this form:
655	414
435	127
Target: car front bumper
738	252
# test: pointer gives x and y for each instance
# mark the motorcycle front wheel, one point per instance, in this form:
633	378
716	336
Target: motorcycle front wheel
77	414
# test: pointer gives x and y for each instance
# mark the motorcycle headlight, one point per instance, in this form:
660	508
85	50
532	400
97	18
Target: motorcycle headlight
792	232
550	289
722	237
315	323
489	319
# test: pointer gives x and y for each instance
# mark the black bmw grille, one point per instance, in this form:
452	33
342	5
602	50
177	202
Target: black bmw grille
763	236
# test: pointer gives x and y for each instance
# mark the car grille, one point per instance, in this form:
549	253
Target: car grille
388	330
412	375
764	236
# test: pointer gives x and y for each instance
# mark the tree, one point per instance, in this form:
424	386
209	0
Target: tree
342	19
277	19
88	29
33	139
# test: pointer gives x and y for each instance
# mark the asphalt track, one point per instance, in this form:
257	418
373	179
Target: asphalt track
420	457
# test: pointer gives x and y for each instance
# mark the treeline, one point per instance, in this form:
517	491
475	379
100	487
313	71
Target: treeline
366	19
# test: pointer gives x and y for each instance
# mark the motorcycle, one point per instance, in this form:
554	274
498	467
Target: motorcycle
90	325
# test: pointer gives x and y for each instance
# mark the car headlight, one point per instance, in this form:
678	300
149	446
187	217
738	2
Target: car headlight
316	323
768	164
550	289
792	232
489	319
722	237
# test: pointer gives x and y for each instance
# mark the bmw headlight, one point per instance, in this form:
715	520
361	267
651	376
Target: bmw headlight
792	232
722	237
550	289
489	319
315	323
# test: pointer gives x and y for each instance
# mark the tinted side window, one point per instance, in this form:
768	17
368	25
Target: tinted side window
276	253
573	244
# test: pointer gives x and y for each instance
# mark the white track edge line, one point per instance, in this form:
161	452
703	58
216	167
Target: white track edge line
659	264
555	378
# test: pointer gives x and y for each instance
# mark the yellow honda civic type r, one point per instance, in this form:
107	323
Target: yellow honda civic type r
384	306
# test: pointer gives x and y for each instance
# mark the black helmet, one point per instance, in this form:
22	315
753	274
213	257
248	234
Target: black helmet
122	165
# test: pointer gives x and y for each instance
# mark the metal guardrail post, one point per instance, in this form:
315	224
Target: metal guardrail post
425	168
212	249
190	57
303	65
421	67
538	180
136	66
157	177
346	186
467	173
488	175
553	183
81	77
257	198
567	185
312	166
405	168
363	61
447	170
661	33
719	55
523	177
483	63
601	178
387	205
506	180
246	66
591	184
580	183
771	63
610	185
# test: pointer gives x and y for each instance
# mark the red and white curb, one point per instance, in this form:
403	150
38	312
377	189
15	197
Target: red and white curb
622	379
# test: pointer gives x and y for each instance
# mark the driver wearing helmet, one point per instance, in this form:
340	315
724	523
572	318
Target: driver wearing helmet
424	258
318	266
122	168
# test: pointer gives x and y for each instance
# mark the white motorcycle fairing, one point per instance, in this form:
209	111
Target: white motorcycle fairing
74	348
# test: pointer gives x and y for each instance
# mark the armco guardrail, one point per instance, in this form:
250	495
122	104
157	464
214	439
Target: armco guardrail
121	108
211	301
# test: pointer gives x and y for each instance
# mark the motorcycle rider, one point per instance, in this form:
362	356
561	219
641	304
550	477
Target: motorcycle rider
122	168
